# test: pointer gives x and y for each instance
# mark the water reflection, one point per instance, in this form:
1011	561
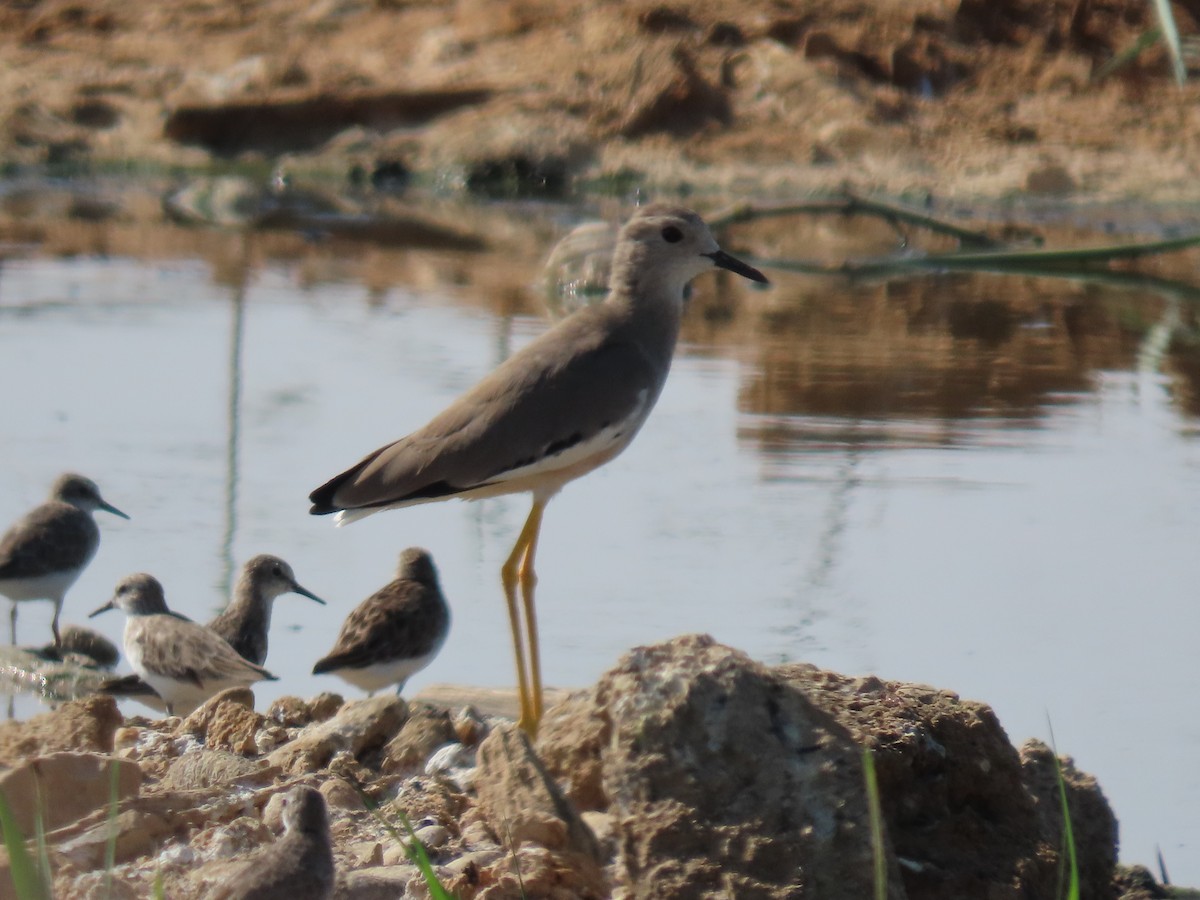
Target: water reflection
237	327
981	481
944	347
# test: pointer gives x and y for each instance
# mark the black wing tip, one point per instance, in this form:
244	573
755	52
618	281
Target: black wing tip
322	497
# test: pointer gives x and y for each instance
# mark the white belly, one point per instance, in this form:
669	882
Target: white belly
183	697
381	675
42	587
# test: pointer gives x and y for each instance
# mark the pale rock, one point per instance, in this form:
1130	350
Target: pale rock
467	867
294	712
366	854
65	787
477	835
454	762
340	794
604	828
86	726
378	883
226	721
470	727
433	837
90	886
522	802
426	729
272	812
138	833
269	737
721	778
546	875
204	768
358	727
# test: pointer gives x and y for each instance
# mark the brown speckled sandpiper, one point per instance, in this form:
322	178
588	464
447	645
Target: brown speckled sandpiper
298	866
184	662
395	632
244	623
46	550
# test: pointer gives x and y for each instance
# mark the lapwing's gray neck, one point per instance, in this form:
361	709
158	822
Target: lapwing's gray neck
649	289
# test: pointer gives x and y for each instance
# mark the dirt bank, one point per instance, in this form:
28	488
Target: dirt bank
970	98
688	770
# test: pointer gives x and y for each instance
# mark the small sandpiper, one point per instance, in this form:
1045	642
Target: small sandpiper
184	662
395	632
244	623
46	550
298	866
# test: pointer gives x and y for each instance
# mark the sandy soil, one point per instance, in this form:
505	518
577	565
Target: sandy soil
970	99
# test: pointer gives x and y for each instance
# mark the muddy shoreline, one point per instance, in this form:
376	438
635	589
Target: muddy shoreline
950	99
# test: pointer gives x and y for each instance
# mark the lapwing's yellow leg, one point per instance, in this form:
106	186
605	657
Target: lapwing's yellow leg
528	579
514	572
508	575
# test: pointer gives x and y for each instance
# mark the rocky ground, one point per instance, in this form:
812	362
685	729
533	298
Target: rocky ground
686	771
964	98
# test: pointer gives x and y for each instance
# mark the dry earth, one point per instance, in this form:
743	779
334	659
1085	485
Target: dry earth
966	98
687	771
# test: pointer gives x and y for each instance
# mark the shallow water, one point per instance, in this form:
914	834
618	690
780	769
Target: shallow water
983	483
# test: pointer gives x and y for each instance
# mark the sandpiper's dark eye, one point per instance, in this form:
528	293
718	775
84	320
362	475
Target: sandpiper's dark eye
672	235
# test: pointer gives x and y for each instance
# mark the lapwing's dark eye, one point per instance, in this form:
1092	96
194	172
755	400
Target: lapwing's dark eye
672	235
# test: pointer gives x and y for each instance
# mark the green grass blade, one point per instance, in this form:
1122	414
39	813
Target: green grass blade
1163	877
159	891
414	848
1129	54
26	880
416	852
39	841
875	811
1170	35
1068	833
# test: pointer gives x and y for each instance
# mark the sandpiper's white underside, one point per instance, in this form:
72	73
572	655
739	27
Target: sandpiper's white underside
181	696
380	675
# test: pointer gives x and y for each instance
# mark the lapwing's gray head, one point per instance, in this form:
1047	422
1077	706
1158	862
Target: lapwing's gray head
417	565
304	810
269	576
665	247
136	595
82	493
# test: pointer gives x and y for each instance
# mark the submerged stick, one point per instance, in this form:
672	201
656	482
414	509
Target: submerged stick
852	204
1024	261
